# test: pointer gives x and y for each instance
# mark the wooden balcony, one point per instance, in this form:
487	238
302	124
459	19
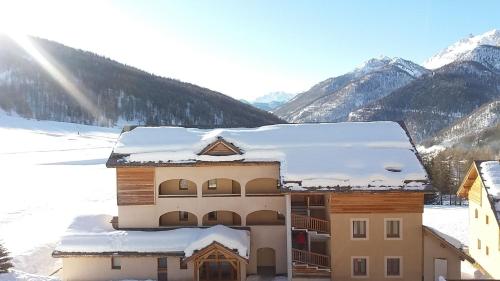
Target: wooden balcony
310	223
310	258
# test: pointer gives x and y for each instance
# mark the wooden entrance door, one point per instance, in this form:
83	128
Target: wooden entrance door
218	271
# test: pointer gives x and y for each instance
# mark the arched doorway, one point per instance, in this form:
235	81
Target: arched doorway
266	262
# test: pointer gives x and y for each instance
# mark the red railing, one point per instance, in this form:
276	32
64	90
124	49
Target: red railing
310	258
310	223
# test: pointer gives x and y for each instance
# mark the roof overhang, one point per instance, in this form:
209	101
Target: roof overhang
460	253
468	181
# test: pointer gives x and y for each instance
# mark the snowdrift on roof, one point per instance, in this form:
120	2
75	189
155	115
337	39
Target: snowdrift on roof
94	235
376	155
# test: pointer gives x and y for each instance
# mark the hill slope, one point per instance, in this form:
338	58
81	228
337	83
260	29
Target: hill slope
118	93
334	98
436	100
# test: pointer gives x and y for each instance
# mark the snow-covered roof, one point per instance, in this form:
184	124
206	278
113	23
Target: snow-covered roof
90	235
358	155
490	174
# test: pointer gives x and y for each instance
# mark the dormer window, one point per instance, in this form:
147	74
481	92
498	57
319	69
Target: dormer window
220	147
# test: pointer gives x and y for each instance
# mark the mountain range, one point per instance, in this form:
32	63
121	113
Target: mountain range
99	91
458	84
270	101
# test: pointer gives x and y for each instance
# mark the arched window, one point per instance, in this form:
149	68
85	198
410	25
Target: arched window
221	187
227	218
265	217
176	188
177	219
262	186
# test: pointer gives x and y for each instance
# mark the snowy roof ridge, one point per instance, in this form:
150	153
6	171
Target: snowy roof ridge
357	154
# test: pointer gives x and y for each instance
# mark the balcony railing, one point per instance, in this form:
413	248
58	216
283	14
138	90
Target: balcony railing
310	223
310	258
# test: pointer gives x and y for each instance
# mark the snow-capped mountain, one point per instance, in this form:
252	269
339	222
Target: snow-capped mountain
435	101
467	49
271	101
275	97
334	98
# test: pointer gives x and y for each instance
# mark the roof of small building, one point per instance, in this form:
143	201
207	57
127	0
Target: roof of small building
374	156
93	235
448	241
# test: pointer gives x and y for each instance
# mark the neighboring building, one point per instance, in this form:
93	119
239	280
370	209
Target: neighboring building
481	186
338	201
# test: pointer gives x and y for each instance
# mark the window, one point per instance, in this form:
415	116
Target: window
183	185
212	184
359	229
478	244
183	216
162	269
476	214
487	251
393	228
162	263
393	266
116	263
182	264
487	220
212	216
359	267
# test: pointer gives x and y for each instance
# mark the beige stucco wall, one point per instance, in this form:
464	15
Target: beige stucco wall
433	249
376	248
268	236
99	268
148	215
489	235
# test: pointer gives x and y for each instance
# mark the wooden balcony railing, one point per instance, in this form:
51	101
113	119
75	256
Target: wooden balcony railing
310	223
310	258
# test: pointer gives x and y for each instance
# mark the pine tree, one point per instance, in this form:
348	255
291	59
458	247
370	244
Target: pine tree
5	260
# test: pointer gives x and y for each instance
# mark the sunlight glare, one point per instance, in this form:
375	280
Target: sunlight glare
57	73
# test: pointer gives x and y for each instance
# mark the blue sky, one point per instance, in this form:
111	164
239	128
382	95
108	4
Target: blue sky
249	48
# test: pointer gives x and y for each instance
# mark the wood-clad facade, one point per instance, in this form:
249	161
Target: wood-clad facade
381	202
135	186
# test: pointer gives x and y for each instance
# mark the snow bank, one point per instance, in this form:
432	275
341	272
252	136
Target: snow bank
353	154
94	234
449	220
16	275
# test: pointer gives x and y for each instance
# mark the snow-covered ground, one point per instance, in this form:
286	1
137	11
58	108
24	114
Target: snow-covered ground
53	172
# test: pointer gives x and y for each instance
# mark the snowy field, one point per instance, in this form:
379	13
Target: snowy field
53	172
50	173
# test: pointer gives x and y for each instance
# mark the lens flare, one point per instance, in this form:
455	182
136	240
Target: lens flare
57	72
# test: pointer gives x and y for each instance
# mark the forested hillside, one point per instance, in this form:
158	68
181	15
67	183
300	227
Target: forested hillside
117	93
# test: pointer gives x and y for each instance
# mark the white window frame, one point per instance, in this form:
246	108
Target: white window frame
400	266
183	181
113	266
351	226
213	181
400	228
367	267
